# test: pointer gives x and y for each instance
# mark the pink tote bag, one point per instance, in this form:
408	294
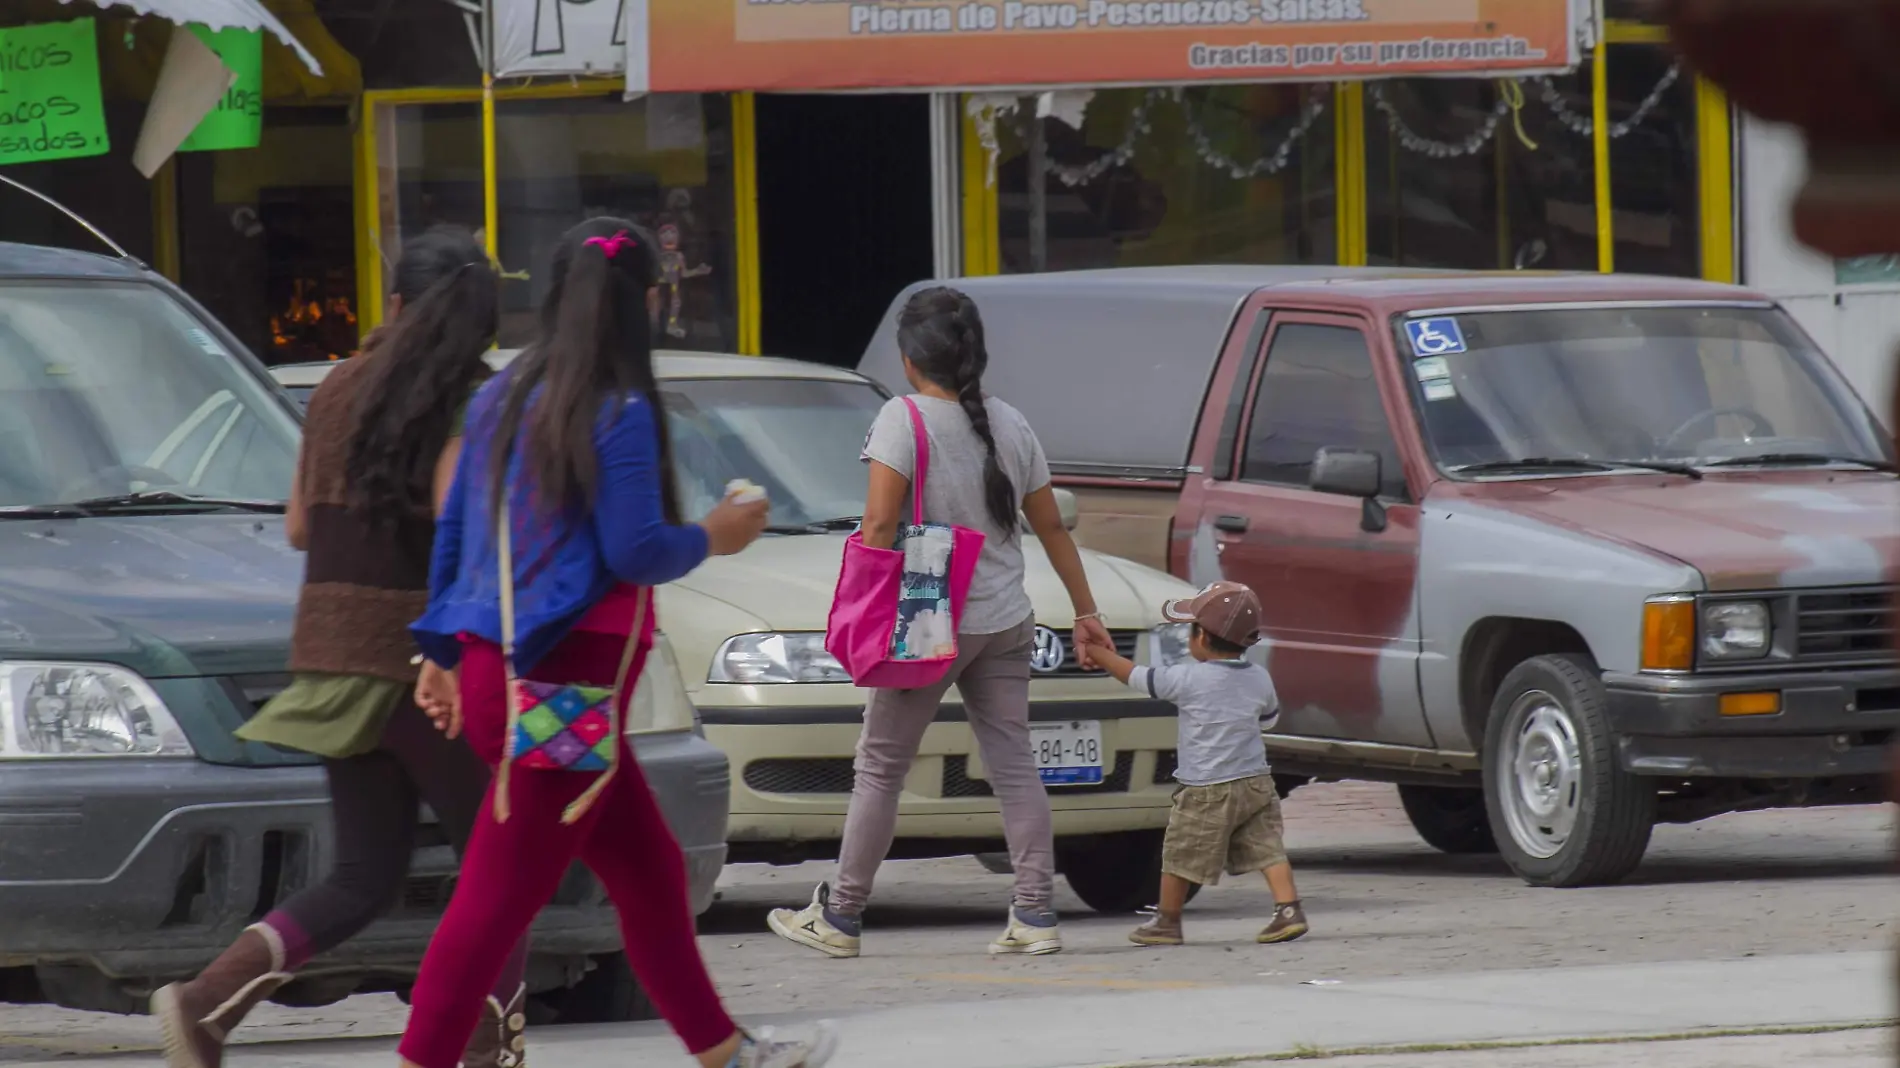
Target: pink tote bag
894	616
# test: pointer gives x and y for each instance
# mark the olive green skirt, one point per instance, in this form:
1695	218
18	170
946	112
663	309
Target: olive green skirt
333	716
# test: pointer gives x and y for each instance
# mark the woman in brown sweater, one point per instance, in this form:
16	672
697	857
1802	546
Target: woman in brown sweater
381	434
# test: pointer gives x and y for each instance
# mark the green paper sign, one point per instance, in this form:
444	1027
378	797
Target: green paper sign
238	120
50	103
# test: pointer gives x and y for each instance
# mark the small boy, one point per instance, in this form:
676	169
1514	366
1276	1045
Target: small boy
1227	811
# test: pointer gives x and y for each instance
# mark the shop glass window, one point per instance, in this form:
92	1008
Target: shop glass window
266	236
428	173
663	161
1318	391
1150	180
1654	179
1494	174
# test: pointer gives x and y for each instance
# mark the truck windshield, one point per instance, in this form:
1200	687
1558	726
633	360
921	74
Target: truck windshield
798	438
116	389
1674	385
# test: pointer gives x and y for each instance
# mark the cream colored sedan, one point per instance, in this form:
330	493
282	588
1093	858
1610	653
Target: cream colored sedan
748	635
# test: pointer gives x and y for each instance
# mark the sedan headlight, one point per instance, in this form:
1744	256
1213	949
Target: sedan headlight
759	659
1736	630
83	710
1168	644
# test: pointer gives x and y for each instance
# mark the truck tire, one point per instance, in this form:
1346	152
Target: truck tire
1451	819
1115	873
1564	812
608	993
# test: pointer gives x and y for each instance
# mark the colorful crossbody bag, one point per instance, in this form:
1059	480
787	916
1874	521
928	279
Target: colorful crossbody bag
559	726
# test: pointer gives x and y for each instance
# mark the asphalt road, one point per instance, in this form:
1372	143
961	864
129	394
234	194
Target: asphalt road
1382	905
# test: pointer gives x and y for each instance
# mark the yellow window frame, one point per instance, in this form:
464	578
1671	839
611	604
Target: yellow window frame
371	290
1714	160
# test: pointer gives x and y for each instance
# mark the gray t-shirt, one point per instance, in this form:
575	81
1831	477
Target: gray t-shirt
953	493
1224	706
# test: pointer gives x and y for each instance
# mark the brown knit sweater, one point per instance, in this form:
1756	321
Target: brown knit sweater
366	578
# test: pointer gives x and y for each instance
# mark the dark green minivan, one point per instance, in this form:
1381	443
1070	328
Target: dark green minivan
146	596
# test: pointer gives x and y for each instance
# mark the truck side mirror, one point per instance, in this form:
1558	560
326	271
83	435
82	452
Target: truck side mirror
1352	473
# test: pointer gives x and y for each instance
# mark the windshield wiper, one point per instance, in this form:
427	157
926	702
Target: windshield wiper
1576	463
148	498
1799	459
822	526
42	511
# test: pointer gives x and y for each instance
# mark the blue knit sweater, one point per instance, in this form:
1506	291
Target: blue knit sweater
564	563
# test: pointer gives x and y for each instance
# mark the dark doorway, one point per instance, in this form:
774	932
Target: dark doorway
844	218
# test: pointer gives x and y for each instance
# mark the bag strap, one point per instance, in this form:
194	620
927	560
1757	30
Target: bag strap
504	565
923	462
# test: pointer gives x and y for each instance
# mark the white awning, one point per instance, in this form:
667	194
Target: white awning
218	15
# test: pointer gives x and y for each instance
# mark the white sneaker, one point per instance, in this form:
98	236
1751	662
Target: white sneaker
1028	938
764	1049
808	927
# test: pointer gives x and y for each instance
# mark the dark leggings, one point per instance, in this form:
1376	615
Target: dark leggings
373	801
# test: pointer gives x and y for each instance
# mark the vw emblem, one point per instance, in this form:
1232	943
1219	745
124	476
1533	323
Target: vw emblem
1050	651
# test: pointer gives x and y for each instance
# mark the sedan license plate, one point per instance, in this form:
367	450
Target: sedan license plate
1068	754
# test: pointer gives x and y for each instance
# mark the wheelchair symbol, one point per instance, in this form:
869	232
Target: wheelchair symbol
1435	337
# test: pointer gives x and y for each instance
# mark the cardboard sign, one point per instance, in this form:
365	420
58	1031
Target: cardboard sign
50	103
238	120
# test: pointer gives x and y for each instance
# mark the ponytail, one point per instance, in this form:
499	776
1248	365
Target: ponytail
421	373
595	348
941	333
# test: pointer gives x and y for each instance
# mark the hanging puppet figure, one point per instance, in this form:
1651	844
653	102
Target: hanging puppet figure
673	275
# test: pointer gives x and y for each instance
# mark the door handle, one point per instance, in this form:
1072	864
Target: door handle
1231	524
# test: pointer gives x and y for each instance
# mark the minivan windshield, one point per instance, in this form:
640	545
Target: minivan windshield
798	438
113	389
1693	385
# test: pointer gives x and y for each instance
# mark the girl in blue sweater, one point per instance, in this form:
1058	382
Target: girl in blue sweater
572	437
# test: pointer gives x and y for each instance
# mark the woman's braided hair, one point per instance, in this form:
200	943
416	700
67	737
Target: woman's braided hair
941	333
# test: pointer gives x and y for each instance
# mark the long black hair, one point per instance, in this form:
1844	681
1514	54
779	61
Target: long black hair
422	372
941	334
595	348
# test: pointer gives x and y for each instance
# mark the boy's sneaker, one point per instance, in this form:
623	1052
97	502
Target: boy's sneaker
817	927
1160	930
1289	922
764	1049
1030	933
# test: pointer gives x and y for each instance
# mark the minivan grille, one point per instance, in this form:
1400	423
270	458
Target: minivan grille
1127	643
1845	624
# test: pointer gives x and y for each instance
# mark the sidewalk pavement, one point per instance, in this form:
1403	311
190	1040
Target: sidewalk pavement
1259	1020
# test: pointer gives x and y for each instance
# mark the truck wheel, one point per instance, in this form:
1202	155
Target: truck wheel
1564	812
1451	819
1115	873
607	994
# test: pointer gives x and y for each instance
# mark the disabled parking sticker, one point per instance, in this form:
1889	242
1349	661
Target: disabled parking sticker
1435	337
1430	367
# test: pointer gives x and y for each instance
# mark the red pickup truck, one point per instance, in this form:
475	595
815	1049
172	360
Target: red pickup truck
1564	556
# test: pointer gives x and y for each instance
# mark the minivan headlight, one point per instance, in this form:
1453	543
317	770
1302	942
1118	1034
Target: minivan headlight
1736	630
83	710
1169	644
761	659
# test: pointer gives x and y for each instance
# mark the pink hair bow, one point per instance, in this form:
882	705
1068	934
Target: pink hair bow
612	245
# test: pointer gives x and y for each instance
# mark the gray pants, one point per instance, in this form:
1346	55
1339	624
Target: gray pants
992	675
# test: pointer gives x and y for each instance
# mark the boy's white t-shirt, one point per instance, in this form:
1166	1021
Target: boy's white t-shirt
1224	706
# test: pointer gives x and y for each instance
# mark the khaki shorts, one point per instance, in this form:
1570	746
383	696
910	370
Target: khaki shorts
1232	826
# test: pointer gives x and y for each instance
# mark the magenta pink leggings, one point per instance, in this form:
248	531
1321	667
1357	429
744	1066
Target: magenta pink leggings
512	869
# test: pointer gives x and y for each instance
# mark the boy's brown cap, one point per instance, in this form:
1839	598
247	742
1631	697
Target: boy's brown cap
1227	610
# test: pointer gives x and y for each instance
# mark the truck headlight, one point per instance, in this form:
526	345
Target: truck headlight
760	659
1168	644
1736	630
83	710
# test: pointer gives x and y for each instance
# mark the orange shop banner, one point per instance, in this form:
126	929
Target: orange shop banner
716	45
